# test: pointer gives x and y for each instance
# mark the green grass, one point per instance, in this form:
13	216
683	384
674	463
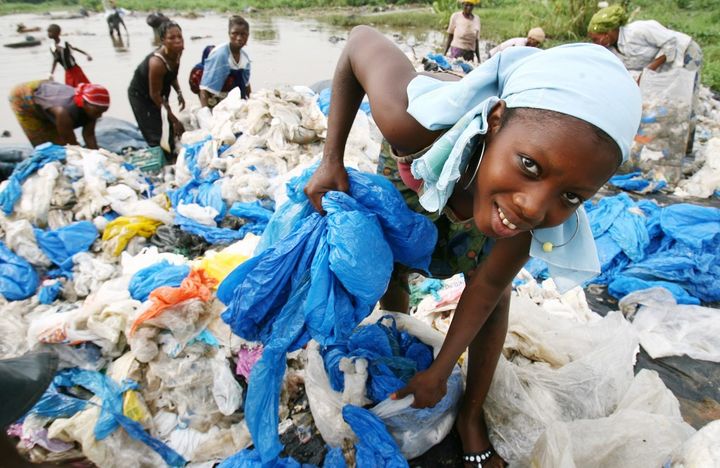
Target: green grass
563	20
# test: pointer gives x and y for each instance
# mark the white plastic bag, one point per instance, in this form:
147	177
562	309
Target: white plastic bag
558	370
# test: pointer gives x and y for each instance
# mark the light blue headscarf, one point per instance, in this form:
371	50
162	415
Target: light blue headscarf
582	80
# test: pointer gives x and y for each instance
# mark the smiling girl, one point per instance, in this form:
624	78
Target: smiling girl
502	161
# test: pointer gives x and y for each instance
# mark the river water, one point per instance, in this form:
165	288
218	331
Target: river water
283	50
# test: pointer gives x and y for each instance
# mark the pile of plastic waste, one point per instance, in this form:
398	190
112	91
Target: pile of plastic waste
186	339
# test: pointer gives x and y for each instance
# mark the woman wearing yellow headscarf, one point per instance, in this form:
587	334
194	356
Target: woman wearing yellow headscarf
643	44
464	32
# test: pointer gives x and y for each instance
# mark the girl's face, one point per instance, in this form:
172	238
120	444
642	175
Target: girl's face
173	40
536	173
238	36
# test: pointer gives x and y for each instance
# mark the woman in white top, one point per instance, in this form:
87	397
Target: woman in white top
463	33
643	44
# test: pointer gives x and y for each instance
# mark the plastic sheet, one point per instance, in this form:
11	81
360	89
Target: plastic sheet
642	245
669	329
118	232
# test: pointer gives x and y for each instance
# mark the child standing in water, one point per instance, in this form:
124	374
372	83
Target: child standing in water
502	161
74	75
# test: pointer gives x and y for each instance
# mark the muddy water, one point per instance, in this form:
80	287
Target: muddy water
283	50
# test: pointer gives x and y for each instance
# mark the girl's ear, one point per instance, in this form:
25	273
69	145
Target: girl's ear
495	117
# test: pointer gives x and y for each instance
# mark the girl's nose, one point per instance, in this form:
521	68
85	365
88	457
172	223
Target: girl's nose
531	206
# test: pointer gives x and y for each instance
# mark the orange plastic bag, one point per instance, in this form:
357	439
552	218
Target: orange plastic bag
197	285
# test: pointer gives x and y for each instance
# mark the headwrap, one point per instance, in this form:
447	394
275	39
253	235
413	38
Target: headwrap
472	2
607	19
537	33
93	93
585	81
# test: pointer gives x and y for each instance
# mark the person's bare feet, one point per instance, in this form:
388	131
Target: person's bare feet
474	437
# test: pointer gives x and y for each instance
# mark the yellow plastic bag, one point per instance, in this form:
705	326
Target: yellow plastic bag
120	230
220	265
135	408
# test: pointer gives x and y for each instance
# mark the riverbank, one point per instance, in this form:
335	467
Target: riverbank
501	19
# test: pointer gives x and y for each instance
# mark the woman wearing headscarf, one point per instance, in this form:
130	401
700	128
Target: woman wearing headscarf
535	38
643	44
51	111
463	33
149	90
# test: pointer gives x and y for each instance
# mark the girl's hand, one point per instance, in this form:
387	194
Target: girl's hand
89	58
330	175
427	387
181	101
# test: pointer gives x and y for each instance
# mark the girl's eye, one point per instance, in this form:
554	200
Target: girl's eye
572	198
529	165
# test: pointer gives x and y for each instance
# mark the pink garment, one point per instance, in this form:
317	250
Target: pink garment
247	357
407	177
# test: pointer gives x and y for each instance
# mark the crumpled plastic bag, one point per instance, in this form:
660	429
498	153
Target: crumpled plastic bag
55	404
414	430
20	238
700	450
119	231
554	369
18	279
666	328
648	412
375	446
319	282
42	155
154	276
61	244
197	285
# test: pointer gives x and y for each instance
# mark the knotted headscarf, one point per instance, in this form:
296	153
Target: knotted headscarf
585	81
93	93
607	19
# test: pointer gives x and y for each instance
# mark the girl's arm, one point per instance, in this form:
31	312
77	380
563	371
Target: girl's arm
82	52
447	43
370	63
482	293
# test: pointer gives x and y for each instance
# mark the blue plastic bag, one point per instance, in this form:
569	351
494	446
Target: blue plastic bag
42	155
61	244
54	404
319	281
159	274
249	458
393	358
49	293
18	279
375	446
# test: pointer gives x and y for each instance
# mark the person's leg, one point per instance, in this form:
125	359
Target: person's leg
148	118
483	355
